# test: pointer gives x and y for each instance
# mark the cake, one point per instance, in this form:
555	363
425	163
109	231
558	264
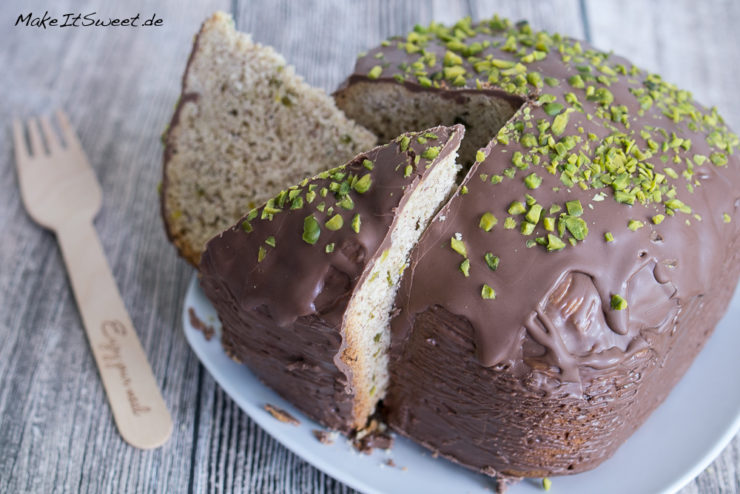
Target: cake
304	285
552	299
245	127
593	246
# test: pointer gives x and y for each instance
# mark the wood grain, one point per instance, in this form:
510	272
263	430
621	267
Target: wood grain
119	86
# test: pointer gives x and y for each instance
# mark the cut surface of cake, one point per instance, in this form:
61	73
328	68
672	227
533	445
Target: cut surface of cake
245	127
305	284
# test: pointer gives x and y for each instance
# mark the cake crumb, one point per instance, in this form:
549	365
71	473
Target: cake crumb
199	325
281	414
374	436
390	462
323	437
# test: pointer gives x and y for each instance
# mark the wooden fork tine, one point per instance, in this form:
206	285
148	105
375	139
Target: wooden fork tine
34	134
50	135
68	133
19	143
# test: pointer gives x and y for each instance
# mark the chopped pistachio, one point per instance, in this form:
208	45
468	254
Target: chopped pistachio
618	302
375	72
533	215
363	184
346	203
356	223
270	241
487	221
492	261
329	248
408	171
726	218
404	144
546	483
334	223
367	164
553	109
559	123
658	219
509	223
549	223
527	228
487	293
554	243
458	246
430	153
574	207
516	207
480	156
463	190
609	237
247	226
261	253
465	267
311	230
635	225
532	181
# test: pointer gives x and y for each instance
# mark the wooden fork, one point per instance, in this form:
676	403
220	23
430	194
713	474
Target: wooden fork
60	192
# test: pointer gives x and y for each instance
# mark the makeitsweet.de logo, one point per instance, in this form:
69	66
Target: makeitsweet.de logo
91	19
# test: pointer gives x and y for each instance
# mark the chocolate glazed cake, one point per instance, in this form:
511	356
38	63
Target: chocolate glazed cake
304	285
562	292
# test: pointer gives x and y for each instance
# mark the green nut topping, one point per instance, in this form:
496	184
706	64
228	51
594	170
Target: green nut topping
509	223
356	223
465	267
618	302
311	230
329	248
527	228
487	221
554	243
516	207
635	225
404	144
368	164
334	223
487	293
363	185
553	109
726	218
408	171
458	246
658	219
480	156
532	181
431	152
546	483
533	215
270	241
375	72
261	253
491	260
609	237
574	207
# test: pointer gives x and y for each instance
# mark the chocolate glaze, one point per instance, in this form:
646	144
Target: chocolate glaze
548	379
283	315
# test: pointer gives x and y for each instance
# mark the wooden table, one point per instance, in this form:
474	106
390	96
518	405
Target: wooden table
119	85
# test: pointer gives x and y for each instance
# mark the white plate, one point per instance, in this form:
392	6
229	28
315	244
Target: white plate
678	441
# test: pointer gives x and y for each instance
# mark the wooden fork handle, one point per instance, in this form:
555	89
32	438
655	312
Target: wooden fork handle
138	407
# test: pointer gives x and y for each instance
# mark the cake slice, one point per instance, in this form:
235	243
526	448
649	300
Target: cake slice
245	127
304	285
